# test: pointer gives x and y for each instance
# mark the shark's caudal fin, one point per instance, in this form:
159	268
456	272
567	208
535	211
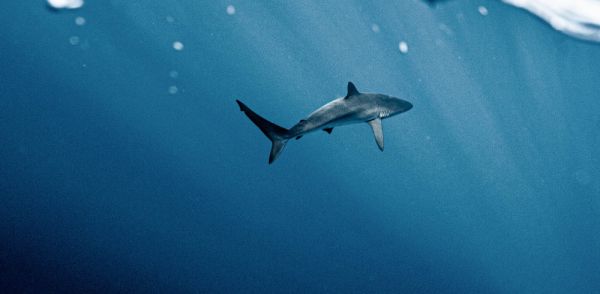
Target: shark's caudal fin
278	135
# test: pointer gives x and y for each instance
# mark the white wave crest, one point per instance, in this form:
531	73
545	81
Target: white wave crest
577	18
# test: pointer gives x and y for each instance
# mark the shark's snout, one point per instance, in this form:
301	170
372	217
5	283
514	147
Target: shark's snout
407	106
399	106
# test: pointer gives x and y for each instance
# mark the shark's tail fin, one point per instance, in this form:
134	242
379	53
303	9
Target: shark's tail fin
278	135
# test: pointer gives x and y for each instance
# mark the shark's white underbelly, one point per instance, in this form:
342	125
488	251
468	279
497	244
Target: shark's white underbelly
319	123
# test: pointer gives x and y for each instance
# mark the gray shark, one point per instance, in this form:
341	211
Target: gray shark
355	107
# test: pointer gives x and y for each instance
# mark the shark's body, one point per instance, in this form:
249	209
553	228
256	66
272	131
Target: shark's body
355	107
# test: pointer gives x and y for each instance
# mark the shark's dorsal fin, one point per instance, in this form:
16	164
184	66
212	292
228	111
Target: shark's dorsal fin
377	131
328	130
351	90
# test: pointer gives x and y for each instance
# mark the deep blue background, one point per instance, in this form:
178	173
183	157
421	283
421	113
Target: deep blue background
490	184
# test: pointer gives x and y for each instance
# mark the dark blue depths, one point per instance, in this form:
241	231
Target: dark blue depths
113	180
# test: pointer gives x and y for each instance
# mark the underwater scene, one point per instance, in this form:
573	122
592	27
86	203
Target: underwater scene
195	146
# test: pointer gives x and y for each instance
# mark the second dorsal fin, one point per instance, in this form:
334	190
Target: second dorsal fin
351	90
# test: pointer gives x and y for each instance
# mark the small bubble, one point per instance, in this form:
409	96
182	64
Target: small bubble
177	45
482	10
85	45
173	74
444	28
80	20
173	90
583	177
403	47
375	28
170	19
74	40
230	9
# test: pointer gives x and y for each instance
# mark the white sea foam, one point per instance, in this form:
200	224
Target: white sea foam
577	18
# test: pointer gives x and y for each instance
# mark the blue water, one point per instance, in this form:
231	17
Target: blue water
126	166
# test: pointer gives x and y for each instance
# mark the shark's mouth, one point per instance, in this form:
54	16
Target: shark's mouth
384	113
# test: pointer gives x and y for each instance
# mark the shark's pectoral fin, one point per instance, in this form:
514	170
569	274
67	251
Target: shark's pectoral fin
328	130
298	137
377	131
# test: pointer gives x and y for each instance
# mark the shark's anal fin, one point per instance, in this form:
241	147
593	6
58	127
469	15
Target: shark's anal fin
328	130
377	131
351	90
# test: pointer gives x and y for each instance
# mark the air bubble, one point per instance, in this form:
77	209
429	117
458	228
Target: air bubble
177	45
80	21
482	10
375	28
74	40
230	9
583	177
403	47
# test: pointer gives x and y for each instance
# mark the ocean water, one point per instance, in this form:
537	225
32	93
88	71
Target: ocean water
126	165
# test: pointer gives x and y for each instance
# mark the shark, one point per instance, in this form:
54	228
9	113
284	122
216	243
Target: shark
355	107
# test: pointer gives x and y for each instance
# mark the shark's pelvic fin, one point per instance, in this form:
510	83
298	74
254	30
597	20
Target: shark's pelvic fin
377	131
351	90
278	135
328	130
